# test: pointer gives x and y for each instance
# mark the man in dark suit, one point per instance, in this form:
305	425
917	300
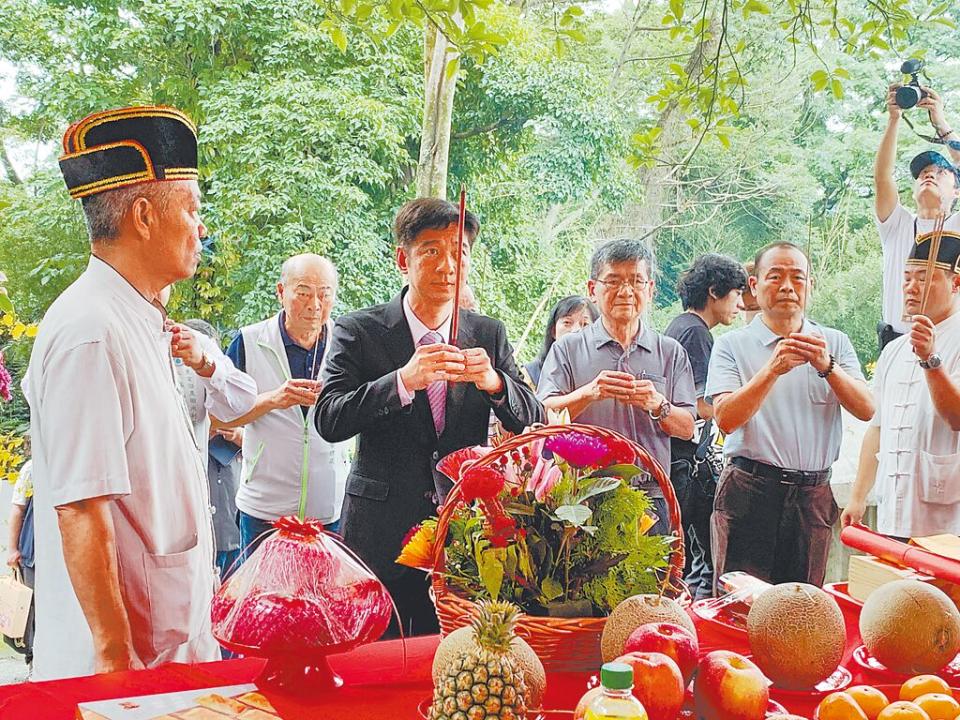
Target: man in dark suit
413	395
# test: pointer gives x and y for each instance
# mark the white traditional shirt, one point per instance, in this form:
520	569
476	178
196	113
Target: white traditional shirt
107	420
918	476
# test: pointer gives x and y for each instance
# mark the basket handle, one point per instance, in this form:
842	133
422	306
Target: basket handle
645	460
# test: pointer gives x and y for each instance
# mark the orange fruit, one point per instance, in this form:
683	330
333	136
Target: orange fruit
870	700
922	685
938	706
840	706
903	710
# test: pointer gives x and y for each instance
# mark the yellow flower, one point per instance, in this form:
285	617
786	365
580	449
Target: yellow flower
417	551
7	320
646	522
32	330
18	330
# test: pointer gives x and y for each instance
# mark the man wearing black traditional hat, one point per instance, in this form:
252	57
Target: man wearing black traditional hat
912	448
125	556
935	191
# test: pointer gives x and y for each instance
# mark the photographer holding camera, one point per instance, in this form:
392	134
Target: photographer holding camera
935	191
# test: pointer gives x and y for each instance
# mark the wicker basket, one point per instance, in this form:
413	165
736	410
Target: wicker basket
563	644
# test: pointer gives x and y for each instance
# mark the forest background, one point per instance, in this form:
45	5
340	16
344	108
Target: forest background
718	125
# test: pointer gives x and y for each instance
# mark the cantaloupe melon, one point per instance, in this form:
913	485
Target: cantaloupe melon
535	677
910	627
635	611
796	635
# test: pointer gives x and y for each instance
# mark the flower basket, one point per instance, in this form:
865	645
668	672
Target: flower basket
564	644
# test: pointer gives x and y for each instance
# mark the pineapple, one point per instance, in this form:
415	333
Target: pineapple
483	683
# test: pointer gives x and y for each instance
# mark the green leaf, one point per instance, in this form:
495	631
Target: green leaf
819	78
626	472
491	572
6	305
755	6
836	87
339	38
724	140
676	7
598	487
453	67
576	515
550	589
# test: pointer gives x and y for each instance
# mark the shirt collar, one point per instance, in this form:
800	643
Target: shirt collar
105	275
418	329
767	336
290	342
600	337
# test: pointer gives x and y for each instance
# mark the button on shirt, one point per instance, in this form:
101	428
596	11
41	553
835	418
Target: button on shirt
798	426
576	359
918	475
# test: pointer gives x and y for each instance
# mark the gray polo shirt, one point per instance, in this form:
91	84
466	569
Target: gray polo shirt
576	359
798	425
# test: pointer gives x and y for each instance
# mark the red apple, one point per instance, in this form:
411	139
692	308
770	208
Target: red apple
730	687
674	641
657	683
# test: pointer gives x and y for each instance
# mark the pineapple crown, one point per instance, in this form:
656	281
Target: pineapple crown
493	626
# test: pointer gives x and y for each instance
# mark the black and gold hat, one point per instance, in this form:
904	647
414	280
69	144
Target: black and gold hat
128	146
948	257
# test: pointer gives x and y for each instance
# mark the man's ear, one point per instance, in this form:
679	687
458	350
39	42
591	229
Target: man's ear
752	284
592	291
142	217
280	292
401	257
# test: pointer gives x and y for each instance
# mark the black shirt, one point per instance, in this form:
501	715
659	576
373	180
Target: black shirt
693	334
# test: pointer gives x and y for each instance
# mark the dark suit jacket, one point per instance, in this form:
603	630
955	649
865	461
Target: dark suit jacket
391	485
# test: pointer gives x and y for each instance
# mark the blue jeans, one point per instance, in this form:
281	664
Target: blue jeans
225	561
252	531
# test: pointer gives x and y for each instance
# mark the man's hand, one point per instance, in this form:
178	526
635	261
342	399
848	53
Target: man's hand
612	385
785	358
432	363
892	108
813	348
116	660
933	104
646	396
479	370
923	336
296	392
853	513
13	558
184	345
234	435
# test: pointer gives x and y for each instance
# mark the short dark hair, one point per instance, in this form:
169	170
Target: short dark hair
710	272
613	252
431	214
567	306
781	245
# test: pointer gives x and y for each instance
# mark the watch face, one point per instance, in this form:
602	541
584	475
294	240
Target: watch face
933	361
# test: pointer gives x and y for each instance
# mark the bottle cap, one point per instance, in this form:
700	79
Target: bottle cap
616	676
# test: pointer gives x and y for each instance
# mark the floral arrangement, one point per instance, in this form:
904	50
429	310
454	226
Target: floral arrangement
555	527
12	330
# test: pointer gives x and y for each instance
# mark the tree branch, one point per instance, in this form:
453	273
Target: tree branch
8	167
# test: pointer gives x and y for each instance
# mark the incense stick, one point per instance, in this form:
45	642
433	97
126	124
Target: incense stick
454	324
932	261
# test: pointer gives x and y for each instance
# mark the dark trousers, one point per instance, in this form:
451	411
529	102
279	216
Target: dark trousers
409	593
695	495
771	530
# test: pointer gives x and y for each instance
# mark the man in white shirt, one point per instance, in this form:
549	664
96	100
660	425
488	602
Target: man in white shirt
912	448
124	551
935	191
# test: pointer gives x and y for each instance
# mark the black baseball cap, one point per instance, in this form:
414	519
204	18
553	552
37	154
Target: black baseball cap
932	157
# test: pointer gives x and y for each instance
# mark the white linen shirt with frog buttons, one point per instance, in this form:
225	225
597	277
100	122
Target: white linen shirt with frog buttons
107	421
918	474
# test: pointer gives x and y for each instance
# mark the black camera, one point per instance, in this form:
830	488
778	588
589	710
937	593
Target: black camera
910	94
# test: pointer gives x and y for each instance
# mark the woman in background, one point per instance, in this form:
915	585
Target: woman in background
571	314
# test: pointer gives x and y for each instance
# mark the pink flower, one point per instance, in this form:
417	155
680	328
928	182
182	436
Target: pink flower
579	450
550	478
5	382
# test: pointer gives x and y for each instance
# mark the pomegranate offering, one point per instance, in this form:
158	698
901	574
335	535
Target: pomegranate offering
300	597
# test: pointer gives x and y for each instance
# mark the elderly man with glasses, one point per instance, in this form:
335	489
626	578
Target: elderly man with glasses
618	372
287	467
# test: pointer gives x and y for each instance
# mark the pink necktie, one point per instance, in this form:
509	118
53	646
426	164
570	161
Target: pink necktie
436	391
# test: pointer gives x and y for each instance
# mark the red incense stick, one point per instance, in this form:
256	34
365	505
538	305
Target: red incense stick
455	321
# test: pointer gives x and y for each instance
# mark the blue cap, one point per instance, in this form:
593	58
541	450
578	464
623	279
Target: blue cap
931	157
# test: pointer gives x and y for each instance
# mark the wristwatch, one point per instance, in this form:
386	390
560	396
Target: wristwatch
931	363
663	412
205	363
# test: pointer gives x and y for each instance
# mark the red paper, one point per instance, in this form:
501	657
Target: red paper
898	553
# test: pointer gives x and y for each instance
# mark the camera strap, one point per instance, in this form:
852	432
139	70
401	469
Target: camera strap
935	139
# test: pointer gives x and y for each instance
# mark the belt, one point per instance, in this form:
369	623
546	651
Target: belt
781	475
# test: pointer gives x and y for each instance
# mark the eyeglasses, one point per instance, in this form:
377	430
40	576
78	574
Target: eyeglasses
618	285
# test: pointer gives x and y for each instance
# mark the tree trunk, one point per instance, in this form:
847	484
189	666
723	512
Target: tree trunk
645	219
438	95
8	167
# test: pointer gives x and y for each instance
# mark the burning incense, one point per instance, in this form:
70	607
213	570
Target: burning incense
455	321
932	260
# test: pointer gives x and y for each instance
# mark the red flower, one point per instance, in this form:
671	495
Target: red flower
481	484
619	452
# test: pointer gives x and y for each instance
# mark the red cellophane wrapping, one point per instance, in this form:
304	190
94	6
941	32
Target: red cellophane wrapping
300	594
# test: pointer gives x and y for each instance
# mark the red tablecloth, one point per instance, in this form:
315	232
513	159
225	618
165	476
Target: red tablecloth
378	686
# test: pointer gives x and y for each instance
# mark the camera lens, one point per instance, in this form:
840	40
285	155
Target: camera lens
907	96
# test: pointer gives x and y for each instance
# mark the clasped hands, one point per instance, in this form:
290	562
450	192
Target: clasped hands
440	362
624	387
797	349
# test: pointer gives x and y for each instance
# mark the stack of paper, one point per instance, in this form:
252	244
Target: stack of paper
236	702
